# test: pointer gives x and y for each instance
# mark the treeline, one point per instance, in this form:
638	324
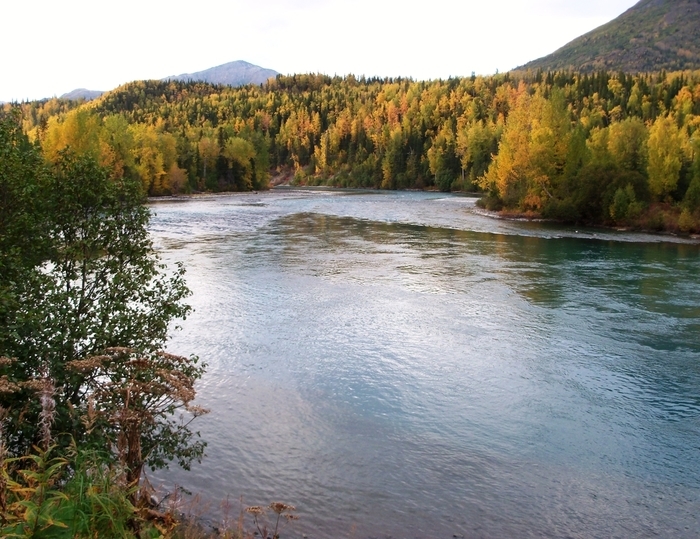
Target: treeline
602	148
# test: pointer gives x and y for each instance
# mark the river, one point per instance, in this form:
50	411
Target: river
397	364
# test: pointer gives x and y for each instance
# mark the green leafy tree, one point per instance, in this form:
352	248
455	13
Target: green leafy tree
23	235
94	283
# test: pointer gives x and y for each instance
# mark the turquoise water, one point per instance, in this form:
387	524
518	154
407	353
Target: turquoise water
399	365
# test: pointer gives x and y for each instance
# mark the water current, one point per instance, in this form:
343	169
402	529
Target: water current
400	365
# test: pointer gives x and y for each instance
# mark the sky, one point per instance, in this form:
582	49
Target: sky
50	47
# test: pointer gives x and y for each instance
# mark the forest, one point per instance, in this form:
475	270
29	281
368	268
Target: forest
611	149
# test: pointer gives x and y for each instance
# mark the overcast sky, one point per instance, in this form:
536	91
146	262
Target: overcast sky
50	47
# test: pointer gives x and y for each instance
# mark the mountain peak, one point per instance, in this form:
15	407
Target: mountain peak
236	73
650	36
82	93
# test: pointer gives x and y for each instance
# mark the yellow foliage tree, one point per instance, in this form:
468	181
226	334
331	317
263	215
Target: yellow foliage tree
208	153
508	173
149	160
531	153
665	157
627	144
239	153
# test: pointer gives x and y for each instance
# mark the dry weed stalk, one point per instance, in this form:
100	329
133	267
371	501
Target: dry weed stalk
6	386
45	389
129	393
3	464
284	514
47	415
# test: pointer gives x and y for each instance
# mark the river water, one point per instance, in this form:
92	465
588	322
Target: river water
400	365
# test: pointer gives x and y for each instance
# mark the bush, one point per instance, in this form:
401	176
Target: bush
490	202
686	221
443	181
55	497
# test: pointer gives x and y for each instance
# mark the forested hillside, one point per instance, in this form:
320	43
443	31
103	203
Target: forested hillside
650	36
601	148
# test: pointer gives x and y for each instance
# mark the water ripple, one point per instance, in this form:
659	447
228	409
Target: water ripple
398	365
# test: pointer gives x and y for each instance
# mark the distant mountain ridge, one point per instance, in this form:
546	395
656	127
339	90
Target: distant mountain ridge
82	93
650	36
238	73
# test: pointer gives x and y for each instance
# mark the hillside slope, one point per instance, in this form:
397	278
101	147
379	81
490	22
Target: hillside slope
650	36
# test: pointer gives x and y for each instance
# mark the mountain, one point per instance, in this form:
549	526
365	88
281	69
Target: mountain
237	73
82	93
232	74
650	36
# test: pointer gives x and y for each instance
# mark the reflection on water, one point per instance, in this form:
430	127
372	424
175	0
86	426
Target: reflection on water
400	365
